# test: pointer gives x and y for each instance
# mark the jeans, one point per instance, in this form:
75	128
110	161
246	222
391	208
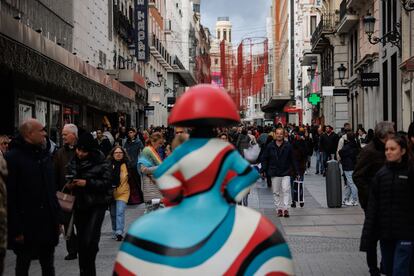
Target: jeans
281	192
319	162
351	190
396	256
46	259
117	211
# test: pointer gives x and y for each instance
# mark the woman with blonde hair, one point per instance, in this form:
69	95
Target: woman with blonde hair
147	163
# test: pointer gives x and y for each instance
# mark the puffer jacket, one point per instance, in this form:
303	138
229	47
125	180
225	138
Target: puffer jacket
389	214
96	170
348	154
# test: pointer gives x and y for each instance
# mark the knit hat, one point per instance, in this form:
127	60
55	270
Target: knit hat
86	142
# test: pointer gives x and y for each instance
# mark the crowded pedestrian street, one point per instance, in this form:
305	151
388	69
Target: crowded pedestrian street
206	137
323	241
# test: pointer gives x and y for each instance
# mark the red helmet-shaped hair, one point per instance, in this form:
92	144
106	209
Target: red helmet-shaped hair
204	105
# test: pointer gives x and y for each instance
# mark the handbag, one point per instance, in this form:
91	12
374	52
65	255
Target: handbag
66	201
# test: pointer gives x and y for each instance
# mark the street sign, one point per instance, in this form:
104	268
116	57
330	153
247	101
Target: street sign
370	79
327	90
341	92
314	99
149	107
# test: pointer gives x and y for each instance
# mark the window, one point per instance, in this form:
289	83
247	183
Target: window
218	34
25	112
41	112
55	122
225	34
229	35
312	24
216	61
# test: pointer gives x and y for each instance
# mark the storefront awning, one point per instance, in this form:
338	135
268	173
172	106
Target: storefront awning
275	105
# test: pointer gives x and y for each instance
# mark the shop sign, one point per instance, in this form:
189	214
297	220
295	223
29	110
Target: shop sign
141	30
370	79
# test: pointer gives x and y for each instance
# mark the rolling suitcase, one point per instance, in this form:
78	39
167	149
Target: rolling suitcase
333	185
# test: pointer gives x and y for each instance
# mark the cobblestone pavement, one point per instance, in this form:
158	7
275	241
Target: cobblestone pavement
323	241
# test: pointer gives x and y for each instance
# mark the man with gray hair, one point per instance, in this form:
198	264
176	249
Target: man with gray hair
33	214
369	162
61	159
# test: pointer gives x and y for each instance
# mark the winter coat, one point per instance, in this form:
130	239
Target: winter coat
96	170
104	146
390	214
133	149
328	143
61	160
348	155
33	208
278	161
122	191
3	205
300	157
369	162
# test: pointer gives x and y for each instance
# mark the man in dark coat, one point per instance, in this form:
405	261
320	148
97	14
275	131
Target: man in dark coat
61	159
34	213
328	143
104	144
369	162
277	162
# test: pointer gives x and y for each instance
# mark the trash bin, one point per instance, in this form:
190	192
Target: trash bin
333	185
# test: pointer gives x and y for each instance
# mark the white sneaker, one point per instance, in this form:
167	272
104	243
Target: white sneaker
349	203
355	203
344	201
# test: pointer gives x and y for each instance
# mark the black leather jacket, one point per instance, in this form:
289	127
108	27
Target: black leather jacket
95	169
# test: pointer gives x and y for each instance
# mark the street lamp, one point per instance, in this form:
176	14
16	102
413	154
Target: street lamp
341	71
393	36
153	84
408	5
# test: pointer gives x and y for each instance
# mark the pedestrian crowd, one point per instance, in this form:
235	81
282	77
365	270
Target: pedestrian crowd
106	170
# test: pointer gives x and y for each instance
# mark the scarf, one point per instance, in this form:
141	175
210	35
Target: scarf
148	158
116	173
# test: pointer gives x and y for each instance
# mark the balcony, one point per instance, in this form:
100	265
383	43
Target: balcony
160	53
347	20
123	26
326	26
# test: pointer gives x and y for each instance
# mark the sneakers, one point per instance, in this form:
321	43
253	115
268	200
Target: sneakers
293	205
286	214
301	204
350	203
280	213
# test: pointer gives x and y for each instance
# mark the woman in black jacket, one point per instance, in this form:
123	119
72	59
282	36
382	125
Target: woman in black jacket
389	216
93	190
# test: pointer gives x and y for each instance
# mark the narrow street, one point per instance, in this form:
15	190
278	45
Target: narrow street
323	241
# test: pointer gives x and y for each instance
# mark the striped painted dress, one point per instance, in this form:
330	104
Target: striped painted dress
204	234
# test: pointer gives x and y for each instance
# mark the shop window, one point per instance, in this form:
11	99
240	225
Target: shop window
67	115
25	112
42	112
55	122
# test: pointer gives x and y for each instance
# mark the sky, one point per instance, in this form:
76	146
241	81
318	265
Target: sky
247	16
